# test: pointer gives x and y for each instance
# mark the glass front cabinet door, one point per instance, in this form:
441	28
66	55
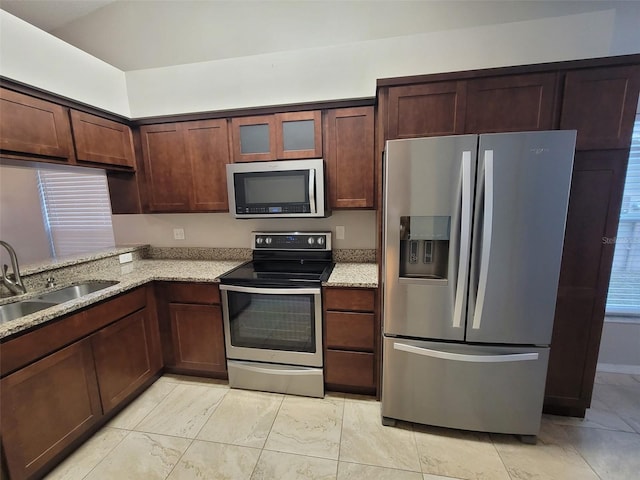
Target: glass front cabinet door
281	136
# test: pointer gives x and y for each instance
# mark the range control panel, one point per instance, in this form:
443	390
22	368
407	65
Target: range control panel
291	240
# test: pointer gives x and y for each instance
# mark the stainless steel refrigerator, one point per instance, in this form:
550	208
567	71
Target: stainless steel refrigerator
473	234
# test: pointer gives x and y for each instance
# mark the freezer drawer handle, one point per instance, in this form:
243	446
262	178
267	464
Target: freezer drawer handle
458	357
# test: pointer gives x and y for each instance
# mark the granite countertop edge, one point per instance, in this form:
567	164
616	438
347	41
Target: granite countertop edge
145	271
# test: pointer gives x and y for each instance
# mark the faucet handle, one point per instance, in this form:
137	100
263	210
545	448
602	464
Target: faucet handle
5	267
51	282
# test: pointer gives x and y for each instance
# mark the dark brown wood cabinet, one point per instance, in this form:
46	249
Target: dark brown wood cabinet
600	103
190	319
102	141
126	355
34	129
280	136
350	157
63	380
426	110
594	209
511	103
46	407
350	340
185	166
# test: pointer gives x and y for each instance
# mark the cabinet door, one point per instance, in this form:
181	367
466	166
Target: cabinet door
197	337
601	104
254	138
207	150
513	103
103	141
350	157
426	110
298	135
46	406
126	354
167	169
594	209
32	126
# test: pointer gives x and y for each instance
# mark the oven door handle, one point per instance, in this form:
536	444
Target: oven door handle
271	291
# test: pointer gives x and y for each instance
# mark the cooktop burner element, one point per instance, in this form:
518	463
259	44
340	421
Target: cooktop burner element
285	259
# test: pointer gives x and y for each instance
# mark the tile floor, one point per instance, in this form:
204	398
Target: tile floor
189	428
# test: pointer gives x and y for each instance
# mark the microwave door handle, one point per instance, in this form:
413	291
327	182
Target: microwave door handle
312	190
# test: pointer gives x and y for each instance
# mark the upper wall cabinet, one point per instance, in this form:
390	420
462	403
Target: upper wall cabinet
513	103
350	157
102	141
426	110
185	166
281	136
34	128
601	104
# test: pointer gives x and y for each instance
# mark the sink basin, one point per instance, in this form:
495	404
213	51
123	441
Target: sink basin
14	310
11	311
74	291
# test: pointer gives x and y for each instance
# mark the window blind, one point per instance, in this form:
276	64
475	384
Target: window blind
624	287
76	210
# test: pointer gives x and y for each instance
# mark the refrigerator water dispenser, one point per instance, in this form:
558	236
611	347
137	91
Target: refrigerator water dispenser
424	247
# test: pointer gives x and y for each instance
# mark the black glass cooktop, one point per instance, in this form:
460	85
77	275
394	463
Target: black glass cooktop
279	273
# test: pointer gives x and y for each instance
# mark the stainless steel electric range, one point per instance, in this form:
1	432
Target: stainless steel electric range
272	310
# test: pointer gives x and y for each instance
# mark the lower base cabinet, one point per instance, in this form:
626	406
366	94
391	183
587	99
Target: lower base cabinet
190	319
46	406
351	344
126	355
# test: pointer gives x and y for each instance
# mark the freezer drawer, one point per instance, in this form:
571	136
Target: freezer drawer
482	388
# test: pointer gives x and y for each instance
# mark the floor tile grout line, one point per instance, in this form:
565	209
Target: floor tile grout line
179	459
344	411
267	437
150	411
105	455
211	414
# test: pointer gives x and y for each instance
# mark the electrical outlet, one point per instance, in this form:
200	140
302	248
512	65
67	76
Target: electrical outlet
340	232
126	258
178	233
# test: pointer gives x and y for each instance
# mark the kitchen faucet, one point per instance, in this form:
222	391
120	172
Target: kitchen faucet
12	281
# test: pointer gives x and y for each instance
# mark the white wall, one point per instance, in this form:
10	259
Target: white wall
351	70
620	346
21	222
31	56
222	230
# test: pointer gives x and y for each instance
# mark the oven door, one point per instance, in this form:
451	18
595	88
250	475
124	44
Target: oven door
273	325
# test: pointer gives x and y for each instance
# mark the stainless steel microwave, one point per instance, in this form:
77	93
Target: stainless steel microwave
286	188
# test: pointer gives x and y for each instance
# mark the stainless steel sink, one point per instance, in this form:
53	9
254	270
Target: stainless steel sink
11	311
14	310
74	291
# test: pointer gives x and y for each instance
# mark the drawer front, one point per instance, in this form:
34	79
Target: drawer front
354	299
349	331
201	293
354	369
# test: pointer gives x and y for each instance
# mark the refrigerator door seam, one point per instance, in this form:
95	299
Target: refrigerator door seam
459	357
487	230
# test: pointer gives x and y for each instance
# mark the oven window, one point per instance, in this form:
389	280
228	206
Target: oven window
273	322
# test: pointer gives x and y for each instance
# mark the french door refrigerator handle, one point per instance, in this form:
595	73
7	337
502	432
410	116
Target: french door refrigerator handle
312	190
460	357
465	241
487	230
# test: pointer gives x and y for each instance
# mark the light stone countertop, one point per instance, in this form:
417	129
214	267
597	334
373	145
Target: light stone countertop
137	273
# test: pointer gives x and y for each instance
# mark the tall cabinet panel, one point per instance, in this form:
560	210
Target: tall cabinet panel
594	208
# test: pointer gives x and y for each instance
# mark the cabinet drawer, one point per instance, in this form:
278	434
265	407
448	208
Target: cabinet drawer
201	293
355	369
349	331
355	299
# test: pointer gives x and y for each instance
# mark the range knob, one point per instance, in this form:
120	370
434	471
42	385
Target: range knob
320	240
311	241
268	240
259	240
